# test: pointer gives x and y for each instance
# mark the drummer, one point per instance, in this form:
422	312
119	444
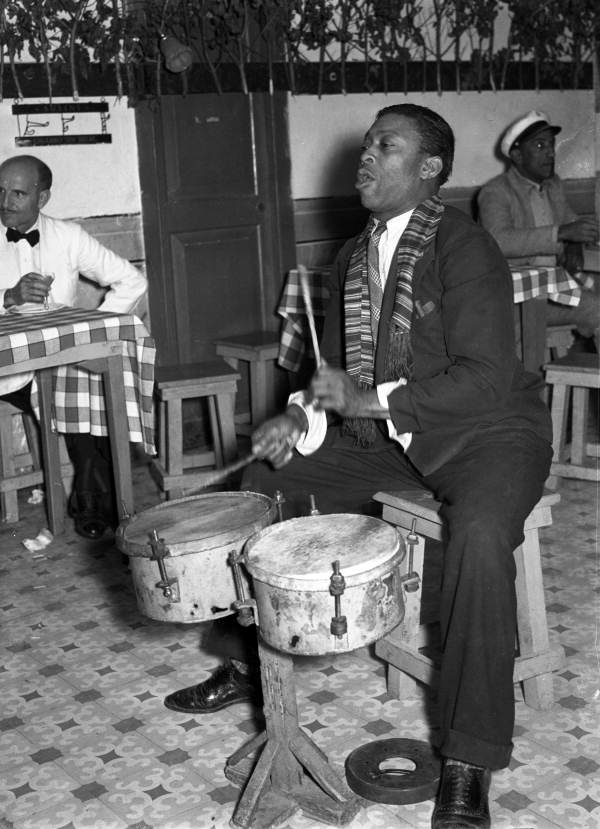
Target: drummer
420	388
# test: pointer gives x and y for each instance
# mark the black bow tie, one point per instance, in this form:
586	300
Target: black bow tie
13	235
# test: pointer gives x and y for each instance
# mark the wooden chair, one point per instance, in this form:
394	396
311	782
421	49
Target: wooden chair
259	350
417	513
571	378
22	469
217	382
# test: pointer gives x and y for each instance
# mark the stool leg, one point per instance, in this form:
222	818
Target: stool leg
8	499
560	402
532	627
408	633
579	419
215	432
258	393
225	404
174	444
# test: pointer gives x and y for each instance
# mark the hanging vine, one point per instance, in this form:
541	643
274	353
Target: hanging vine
295	40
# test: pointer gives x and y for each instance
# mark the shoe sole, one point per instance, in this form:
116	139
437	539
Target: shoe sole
188	710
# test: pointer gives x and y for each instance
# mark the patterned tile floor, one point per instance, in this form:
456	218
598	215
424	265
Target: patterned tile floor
86	743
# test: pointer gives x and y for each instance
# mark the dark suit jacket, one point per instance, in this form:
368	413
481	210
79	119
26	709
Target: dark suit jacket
466	375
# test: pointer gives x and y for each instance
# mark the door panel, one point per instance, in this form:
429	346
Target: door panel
217	216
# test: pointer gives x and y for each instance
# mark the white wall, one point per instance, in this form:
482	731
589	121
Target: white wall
325	134
89	179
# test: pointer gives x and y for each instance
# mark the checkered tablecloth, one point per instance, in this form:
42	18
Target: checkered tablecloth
295	339
554	283
79	404
528	283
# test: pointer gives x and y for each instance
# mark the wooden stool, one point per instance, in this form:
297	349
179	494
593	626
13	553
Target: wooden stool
19	470
214	380
577	373
258	349
417	512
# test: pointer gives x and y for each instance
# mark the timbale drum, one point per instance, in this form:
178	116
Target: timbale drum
179	553
326	583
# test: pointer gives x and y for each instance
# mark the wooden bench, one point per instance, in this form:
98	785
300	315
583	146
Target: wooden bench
418	513
214	380
259	350
571	379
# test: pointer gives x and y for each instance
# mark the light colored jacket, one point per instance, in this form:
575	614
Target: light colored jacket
505	211
66	251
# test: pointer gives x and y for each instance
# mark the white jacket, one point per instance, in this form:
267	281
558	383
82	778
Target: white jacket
66	251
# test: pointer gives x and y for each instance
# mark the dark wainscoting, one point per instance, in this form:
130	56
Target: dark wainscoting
322	225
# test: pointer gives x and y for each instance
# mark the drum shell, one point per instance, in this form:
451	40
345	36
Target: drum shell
199	533
294	614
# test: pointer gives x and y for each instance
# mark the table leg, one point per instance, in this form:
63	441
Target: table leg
55	493
116	414
533	332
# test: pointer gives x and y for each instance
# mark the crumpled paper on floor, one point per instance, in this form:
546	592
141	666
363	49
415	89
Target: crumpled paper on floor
36	497
43	538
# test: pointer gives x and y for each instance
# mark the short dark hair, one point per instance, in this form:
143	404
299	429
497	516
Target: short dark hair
435	133
44	173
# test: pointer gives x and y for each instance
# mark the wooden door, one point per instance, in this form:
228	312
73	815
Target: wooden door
217	215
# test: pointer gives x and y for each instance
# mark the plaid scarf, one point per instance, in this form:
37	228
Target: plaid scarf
360	347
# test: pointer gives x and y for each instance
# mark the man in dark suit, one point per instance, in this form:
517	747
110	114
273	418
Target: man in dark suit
420	388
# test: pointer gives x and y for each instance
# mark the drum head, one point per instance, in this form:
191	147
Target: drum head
304	548
215	518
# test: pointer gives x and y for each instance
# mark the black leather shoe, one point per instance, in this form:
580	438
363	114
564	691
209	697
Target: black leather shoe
225	687
462	801
89	521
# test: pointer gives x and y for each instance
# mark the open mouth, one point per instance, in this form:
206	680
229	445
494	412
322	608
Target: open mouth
363	178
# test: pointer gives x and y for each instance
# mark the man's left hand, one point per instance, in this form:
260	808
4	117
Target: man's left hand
332	389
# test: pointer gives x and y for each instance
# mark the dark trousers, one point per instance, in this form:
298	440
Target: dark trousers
89	454
487	492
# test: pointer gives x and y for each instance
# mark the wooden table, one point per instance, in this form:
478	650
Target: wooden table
94	372
531	286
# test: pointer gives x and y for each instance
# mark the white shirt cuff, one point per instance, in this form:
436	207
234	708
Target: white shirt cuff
383	390
314	436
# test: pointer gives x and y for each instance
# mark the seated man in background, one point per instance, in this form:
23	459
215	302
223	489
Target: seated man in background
526	211
41	257
420	388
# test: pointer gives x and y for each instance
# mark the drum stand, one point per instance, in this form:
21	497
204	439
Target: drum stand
279	784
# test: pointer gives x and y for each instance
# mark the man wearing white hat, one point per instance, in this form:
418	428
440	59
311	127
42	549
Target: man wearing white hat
527	212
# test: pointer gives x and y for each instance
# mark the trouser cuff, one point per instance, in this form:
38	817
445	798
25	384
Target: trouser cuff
476	752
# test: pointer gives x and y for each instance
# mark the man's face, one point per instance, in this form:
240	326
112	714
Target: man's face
20	196
534	157
394	175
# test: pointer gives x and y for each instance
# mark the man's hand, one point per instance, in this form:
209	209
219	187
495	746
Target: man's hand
276	437
572	257
332	389
32	287
584	229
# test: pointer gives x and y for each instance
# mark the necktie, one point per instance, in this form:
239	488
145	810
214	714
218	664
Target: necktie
14	235
375	285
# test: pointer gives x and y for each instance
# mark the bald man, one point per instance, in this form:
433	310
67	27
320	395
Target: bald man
33	247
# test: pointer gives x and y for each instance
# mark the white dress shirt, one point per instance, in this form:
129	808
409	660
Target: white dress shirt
317	418
65	250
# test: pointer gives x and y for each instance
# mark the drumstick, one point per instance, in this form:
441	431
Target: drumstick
218	475
303	276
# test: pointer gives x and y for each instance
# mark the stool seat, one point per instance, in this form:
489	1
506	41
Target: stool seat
571	378
214	380
259	349
417	511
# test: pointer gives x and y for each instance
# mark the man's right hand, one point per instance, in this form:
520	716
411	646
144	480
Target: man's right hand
583	230
32	287
275	438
